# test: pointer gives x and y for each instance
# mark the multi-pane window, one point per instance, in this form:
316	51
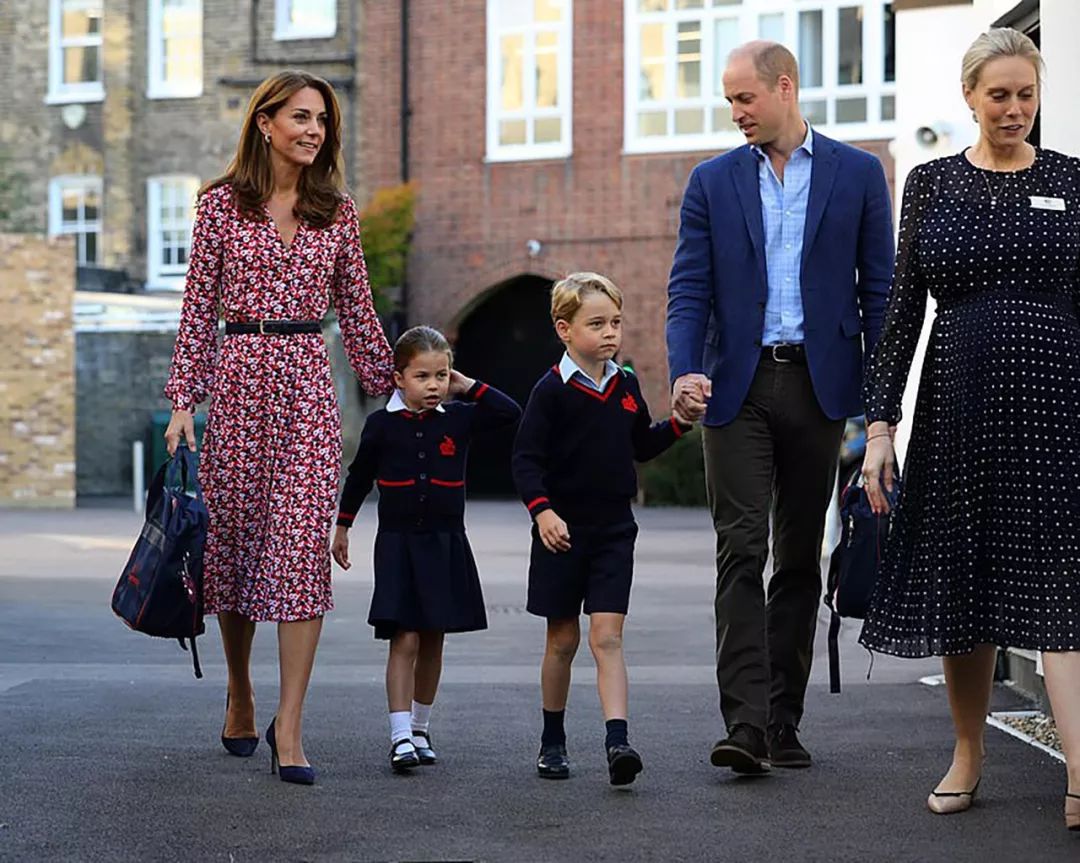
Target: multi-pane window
676	52
170	207
529	79
305	19
75	209
175	48
75	41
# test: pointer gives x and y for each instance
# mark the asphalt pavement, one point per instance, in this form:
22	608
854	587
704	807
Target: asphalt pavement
110	751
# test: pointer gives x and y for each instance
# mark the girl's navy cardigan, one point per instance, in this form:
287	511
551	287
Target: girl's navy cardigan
418	461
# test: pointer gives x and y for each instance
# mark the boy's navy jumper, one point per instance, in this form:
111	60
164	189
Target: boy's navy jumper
425	575
574	453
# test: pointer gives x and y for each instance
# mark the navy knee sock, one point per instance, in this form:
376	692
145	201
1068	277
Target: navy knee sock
554	731
616	733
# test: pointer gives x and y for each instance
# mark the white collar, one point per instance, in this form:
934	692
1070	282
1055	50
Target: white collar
397	403
567	369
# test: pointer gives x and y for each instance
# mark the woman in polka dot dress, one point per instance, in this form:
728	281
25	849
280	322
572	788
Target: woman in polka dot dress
275	239
985	544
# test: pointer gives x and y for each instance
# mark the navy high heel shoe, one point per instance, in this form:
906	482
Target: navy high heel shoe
297	774
241	747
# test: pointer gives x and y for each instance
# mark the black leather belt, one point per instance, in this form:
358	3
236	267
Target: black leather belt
276	328
784	354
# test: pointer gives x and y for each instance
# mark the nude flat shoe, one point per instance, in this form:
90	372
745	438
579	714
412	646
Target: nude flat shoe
952	802
1072	811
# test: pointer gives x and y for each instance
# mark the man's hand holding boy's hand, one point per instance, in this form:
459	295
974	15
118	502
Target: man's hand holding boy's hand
690	395
553	532
340	547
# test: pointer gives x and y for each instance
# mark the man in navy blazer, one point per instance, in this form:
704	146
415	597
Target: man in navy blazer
777	288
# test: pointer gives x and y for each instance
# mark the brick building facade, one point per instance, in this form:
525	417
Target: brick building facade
37	376
118	111
535	149
611	201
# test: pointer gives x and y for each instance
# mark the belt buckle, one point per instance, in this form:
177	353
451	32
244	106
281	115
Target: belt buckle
262	332
776	357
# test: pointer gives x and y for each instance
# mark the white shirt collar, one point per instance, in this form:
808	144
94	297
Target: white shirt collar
397	403
568	368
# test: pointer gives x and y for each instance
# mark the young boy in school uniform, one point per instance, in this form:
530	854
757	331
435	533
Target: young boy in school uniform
585	425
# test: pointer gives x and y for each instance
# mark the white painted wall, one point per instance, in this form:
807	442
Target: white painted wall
1060	118
929	46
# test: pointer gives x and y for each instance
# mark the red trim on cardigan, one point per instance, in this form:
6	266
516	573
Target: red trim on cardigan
396	483
679	431
483	388
536	502
589	391
448	483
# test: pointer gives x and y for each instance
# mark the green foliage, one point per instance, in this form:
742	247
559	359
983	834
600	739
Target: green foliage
677	477
14	199
386	225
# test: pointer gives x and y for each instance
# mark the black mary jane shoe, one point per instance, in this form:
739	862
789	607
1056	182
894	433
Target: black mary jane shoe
624	764
403	757
552	762
424	752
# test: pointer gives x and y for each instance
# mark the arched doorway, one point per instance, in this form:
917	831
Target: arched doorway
508	341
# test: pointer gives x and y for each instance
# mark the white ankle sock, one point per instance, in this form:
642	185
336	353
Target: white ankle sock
421	716
400	727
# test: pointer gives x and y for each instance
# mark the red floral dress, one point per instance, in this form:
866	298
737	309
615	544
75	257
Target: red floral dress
271	453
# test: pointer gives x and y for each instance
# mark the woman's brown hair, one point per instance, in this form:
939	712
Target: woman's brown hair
320	188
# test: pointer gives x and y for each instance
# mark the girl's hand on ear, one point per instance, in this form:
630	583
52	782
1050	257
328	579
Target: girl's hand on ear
459	384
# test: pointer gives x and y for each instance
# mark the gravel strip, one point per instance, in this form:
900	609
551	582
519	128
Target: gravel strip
1041	727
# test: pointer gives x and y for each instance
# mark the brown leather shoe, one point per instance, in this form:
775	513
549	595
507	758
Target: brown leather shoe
785	750
743	750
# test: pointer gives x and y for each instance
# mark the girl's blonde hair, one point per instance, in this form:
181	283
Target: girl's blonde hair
419	340
567	294
996	43
320	187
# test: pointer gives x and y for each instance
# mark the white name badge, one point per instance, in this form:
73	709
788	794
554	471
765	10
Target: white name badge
1040	203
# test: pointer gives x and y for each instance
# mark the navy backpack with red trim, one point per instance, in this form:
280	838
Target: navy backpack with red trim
160	590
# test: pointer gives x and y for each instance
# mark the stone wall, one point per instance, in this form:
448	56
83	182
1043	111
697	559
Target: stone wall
37	372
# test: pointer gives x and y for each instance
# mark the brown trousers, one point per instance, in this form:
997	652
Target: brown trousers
778	457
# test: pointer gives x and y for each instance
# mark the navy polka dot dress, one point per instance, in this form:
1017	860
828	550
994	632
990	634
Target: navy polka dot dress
985	545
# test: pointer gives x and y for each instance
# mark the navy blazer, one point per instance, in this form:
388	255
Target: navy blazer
718	288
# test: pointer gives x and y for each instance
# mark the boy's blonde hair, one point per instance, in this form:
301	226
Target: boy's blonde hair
568	293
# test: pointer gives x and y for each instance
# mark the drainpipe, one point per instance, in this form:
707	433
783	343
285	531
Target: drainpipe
402	315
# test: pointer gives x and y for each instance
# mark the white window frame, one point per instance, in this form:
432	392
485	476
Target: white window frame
165	276
873	88
158	86
285	30
82	91
58	228
497	152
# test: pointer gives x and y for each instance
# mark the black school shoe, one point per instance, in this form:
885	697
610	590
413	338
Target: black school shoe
743	750
623	763
785	750
552	762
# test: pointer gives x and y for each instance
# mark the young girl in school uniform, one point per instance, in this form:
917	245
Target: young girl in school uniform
426	583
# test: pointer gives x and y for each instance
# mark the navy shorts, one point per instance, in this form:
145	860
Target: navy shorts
596	571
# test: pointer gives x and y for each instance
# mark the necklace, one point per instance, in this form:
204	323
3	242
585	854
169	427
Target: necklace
990	189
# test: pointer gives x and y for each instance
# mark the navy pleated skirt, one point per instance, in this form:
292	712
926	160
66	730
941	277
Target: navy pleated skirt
425	581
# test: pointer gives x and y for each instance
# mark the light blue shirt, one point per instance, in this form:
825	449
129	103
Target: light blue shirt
783	212
569	370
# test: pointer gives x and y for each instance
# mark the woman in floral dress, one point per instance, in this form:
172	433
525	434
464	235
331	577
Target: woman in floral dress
275	240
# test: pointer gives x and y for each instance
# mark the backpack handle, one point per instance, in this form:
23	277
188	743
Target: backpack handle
181	463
